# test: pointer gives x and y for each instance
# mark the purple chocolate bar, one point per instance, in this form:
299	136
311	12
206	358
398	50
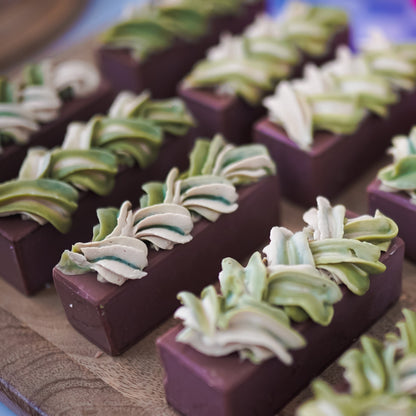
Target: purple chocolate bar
397	206
334	160
232	116
52	134
162	71
114	318
200	385
29	251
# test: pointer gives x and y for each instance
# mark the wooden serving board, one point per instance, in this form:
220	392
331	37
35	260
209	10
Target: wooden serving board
47	368
29	24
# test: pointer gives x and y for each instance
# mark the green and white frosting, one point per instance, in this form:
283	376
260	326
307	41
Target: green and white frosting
337	96
41	200
401	174
381	378
396	62
92	152
297	280
44	87
169	209
237	319
251	64
145	30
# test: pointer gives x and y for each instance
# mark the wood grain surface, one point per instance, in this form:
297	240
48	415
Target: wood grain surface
29	24
47	368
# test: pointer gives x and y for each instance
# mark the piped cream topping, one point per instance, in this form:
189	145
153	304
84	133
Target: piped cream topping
18	123
337	96
115	259
291	109
82	77
41	103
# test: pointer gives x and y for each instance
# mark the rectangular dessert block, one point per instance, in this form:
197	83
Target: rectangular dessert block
334	160
51	134
398	207
199	385
29	251
114	318
162	71
232	116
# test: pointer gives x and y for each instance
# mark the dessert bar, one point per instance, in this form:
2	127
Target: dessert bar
40	116
393	191
304	175
125	71
207	359
399	207
327	128
89	160
114	317
224	90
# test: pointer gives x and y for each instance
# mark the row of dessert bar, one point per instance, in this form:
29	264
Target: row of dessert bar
322	131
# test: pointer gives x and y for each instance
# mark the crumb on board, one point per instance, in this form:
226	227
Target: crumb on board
98	354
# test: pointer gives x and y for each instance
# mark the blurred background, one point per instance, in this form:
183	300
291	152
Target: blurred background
33	29
37	28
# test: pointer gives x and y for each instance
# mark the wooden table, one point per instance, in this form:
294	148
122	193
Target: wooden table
47	368
27	25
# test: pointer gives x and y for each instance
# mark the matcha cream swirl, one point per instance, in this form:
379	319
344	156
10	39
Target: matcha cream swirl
44	88
340	94
169	209
380	377
92	152
296	281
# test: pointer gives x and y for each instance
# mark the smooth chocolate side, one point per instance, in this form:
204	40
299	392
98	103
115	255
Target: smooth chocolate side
334	160
398	207
199	385
232	116
162	71
114	318
28	251
52	134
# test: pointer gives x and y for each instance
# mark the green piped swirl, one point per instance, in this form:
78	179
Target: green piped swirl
91	169
44	200
154	28
240	165
292	281
6	91
206	196
16	124
348	261
244	324
171	115
348	249
401	174
310	27
91	152
250	65
131	140
245	73
168	209
134	128
381	378
208	187
394	66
